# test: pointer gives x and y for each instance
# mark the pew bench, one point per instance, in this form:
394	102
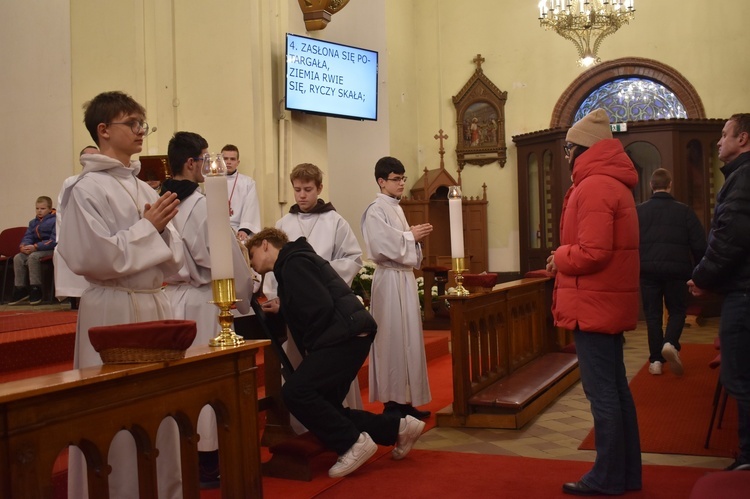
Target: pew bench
507	365
520	394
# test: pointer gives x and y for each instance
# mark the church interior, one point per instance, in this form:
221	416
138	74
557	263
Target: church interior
475	94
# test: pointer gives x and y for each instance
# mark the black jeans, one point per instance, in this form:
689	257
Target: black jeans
655	293
734	335
315	392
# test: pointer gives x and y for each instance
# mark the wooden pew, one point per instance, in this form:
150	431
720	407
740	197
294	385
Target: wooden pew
42	416
506	364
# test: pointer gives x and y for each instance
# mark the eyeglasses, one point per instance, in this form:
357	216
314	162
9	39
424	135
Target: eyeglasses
135	126
398	179
568	147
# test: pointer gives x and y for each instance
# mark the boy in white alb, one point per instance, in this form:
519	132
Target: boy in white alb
68	284
116	233
244	208
190	292
330	236
398	365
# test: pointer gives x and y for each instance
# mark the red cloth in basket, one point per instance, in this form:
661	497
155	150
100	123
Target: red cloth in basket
162	335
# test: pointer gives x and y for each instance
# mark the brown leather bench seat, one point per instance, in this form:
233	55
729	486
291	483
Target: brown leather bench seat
523	385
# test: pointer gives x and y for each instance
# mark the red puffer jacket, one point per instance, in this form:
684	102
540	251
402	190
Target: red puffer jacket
596	287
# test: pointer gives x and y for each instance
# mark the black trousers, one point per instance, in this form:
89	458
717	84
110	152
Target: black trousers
314	394
657	293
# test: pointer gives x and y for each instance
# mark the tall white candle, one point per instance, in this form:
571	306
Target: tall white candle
456	221
219	242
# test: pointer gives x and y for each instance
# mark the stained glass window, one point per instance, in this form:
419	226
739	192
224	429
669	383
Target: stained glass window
633	99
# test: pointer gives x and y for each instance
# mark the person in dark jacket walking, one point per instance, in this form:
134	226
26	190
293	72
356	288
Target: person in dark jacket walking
725	268
672	241
38	242
333	332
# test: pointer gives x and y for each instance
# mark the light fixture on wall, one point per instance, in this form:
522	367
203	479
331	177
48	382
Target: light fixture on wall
585	22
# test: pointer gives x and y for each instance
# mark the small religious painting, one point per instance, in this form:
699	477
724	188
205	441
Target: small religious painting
480	125
480	107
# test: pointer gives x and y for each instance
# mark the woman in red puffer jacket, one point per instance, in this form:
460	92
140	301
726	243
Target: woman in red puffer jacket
596	295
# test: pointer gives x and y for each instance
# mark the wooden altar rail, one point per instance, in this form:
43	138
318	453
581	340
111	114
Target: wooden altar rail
42	416
505	365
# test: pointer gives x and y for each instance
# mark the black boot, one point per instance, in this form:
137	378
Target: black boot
410	410
208	467
393	408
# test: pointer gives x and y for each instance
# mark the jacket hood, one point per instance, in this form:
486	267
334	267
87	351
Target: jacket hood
606	157
300	247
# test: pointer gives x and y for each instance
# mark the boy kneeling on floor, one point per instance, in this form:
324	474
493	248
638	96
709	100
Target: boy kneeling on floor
333	332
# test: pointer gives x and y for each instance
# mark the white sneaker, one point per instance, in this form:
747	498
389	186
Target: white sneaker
655	367
669	352
356	456
409	431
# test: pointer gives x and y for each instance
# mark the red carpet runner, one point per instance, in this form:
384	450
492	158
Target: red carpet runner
433	474
674	412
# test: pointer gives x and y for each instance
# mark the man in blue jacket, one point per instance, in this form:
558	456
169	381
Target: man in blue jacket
672	242
39	241
725	268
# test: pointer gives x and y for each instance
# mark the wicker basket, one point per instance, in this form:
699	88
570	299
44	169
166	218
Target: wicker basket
141	342
139	355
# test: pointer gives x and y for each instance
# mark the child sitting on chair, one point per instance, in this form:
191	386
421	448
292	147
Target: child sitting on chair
38	242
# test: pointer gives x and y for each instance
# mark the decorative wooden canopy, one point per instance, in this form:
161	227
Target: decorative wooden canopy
317	13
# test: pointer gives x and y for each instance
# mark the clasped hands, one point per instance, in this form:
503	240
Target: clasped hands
421	231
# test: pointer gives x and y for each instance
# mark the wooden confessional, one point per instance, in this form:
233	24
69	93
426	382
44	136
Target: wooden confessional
686	147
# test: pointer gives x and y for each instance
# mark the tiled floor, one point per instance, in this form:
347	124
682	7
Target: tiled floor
558	431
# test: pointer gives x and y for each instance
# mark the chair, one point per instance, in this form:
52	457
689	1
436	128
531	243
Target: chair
720	396
48	278
10	240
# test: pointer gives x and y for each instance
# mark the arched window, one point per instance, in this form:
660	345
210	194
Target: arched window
633	99
631	68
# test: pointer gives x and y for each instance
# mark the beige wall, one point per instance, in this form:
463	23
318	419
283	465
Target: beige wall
35	105
217	68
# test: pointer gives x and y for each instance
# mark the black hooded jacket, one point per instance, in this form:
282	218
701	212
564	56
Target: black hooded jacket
726	264
672	239
318	306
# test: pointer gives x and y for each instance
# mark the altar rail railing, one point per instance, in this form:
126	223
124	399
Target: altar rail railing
42	416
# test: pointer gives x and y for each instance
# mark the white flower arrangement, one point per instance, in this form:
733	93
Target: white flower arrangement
362	284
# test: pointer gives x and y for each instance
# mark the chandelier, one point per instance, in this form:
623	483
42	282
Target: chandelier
585	22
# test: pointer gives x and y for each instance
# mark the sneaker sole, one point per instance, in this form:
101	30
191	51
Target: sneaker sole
18	302
367	453
414	433
673	360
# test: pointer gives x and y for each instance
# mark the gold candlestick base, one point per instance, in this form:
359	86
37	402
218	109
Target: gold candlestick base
458	270
224	297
